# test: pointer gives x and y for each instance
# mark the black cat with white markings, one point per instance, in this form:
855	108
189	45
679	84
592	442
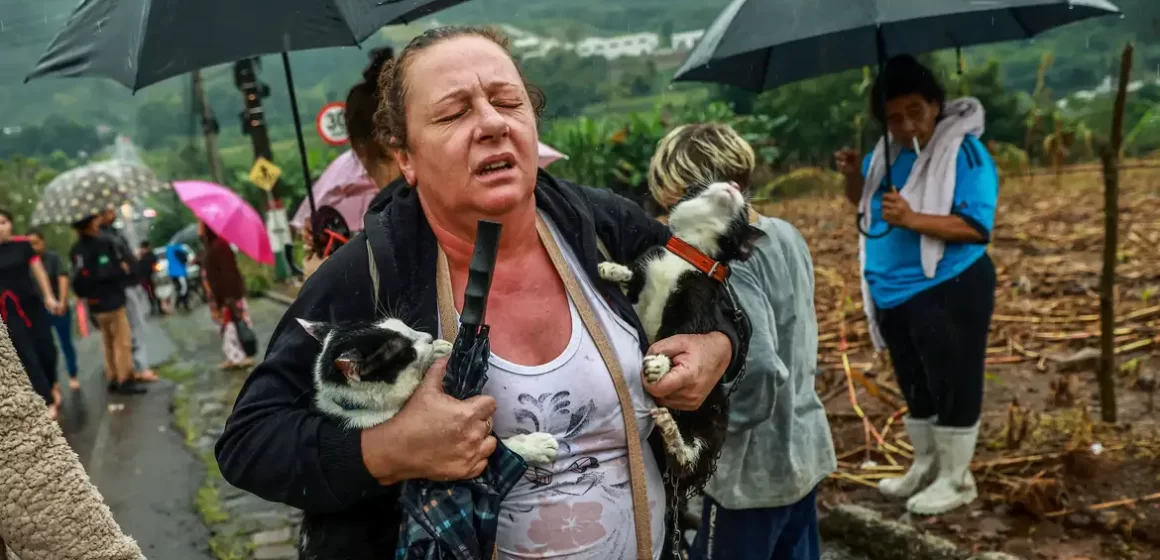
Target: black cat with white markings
673	288
364	374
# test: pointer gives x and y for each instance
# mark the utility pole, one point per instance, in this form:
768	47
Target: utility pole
254	125
209	127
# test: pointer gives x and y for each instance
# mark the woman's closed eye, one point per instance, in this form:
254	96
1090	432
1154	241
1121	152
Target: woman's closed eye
507	103
452	116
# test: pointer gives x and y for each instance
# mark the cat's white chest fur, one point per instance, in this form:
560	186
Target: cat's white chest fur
662	274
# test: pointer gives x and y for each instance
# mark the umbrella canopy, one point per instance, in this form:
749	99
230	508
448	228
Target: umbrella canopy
346	187
84	191
224	212
549	154
141	42
817	37
187	234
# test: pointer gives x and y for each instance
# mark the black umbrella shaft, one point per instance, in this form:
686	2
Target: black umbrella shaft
298	130
880	39
479	273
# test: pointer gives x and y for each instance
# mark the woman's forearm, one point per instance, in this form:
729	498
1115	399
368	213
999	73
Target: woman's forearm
42	279
62	289
853	187
947	228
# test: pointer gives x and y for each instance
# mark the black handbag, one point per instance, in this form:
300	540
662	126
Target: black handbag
246	337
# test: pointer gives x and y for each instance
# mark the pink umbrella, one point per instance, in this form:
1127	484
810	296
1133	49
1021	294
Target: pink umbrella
345	186
223	211
549	154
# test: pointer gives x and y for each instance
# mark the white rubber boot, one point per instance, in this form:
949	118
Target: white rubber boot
925	466
954	486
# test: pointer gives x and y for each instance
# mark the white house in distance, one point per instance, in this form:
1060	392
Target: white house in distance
612	48
528	45
685	40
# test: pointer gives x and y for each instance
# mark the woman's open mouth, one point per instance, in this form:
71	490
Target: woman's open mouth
493	167
496	164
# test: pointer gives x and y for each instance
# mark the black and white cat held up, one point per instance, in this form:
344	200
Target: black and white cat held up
670	287
365	373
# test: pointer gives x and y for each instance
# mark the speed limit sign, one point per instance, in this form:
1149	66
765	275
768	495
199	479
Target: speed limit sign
331	123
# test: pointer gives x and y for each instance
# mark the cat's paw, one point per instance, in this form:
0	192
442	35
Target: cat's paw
440	348
614	272
665	422
537	448
655	367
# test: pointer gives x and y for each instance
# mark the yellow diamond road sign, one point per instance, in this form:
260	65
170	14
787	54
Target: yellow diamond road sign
265	174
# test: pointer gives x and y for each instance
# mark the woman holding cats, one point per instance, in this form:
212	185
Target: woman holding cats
566	346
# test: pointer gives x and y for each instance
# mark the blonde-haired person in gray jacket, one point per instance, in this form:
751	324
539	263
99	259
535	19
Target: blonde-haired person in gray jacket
48	508
761	503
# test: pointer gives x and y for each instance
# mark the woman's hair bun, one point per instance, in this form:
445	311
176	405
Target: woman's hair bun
379	58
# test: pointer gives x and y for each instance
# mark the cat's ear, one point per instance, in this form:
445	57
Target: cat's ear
318	330
752	234
347	363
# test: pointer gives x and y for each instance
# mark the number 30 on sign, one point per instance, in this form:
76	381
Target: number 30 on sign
331	123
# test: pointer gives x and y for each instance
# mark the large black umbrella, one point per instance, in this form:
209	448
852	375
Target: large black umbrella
141	42
458	520
761	44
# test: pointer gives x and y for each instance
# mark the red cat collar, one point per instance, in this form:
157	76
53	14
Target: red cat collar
695	257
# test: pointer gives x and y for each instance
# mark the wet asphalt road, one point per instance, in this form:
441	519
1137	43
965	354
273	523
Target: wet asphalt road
135	456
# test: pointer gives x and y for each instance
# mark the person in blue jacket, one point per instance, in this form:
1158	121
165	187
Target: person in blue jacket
928	283
176	258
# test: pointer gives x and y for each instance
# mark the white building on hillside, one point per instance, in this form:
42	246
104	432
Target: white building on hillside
637	44
537	47
685	40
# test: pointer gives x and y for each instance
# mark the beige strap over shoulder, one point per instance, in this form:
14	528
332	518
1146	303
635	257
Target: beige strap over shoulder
450	327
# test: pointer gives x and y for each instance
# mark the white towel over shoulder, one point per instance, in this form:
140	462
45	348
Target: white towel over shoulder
930	188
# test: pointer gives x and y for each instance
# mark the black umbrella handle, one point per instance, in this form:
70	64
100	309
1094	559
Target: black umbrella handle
479	274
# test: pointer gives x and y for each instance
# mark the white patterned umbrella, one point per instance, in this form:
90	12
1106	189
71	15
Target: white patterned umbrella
82	192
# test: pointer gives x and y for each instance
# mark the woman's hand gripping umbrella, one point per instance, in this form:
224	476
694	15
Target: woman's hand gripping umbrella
445	520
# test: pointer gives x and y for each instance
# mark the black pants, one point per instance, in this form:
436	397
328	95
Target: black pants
30	329
938	344
181	286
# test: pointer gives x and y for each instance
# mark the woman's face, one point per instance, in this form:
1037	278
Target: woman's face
471	129
909	117
5	228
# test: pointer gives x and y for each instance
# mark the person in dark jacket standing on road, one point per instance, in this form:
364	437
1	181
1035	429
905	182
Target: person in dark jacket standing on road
136	302
100	270
462	125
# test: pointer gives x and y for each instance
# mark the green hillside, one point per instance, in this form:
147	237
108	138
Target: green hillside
159	116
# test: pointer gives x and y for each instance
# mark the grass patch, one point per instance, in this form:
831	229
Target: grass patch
207	501
175	373
182	419
224	547
209	505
